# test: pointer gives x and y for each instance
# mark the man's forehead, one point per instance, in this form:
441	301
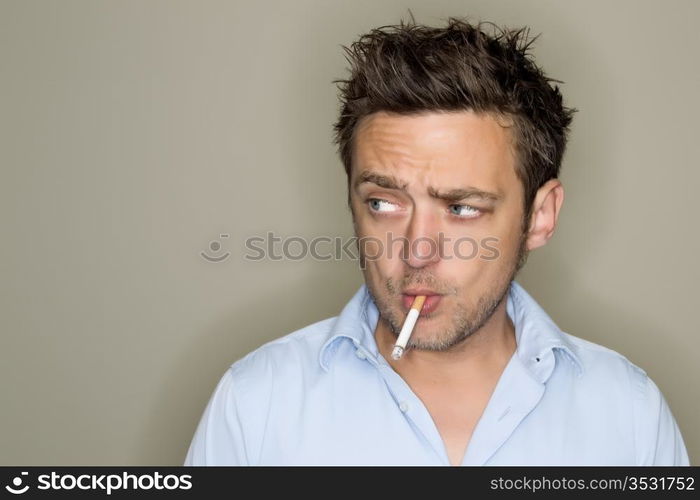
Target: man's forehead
490	177
455	157
434	145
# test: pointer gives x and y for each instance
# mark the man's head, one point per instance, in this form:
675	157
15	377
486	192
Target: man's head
452	141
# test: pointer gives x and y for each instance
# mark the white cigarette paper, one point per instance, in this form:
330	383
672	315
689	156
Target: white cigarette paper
407	327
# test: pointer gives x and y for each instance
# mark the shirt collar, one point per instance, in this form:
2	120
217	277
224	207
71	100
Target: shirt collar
537	336
356	323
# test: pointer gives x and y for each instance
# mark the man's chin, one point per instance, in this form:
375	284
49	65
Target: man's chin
426	329
432	346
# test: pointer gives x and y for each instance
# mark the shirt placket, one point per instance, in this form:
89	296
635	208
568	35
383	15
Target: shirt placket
409	404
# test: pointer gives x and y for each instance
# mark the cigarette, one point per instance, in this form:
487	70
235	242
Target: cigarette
407	327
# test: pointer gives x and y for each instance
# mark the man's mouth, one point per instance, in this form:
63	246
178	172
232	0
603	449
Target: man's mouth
432	300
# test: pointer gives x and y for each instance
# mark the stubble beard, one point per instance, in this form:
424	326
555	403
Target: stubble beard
466	321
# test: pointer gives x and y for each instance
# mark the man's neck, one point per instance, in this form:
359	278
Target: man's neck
481	355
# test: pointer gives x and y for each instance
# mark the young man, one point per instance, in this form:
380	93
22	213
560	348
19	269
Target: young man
452	141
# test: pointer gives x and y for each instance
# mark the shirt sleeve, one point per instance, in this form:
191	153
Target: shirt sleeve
658	436
219	438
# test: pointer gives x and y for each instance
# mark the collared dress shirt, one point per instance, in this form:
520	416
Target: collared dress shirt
324	395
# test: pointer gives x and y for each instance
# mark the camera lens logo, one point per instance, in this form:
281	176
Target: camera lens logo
215	247
17	482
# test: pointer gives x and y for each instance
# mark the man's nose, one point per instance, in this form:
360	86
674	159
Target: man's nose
422	239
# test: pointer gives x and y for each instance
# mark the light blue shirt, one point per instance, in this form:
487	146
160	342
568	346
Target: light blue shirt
324	395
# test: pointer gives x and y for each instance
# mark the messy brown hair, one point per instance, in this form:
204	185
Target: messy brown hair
410	69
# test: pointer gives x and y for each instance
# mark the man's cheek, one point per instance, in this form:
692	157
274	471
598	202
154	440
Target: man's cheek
369	251
490	249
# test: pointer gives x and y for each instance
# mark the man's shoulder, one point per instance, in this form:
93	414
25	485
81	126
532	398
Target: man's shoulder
623	384
292	352
605	365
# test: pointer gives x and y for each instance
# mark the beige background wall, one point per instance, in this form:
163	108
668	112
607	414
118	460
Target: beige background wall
134	133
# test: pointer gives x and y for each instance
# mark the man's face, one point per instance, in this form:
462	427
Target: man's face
422	223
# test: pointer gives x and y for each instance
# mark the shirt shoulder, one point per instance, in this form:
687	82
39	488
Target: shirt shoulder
294	350
596	357
656	433
279	367
233	427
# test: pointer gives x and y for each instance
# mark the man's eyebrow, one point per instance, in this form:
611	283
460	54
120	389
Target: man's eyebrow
464	193
384	181
391	182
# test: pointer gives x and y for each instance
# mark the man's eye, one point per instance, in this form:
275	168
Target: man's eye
465	211
378	205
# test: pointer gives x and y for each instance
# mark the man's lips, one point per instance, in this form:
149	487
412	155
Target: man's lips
432	300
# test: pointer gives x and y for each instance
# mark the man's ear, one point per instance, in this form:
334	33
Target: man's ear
545	212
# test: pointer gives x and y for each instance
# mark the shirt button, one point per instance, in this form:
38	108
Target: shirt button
403	406
360	354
